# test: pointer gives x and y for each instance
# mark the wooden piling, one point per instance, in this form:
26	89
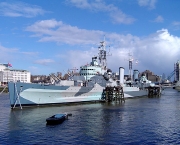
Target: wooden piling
115	93
154	91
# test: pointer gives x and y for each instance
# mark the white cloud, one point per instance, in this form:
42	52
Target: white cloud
94	5
176	23
120	17
84	57
159	19
30	53
33	70
6	54
116	14
21	60
147	3
20	9
157	52
14	54
44	61
56	31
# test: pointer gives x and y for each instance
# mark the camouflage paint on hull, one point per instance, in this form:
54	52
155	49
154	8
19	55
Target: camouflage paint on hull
40	94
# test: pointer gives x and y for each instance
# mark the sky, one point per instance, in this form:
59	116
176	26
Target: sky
46	37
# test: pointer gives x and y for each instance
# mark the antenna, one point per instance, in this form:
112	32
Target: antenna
103	54
73	70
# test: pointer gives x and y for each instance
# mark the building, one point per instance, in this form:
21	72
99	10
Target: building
151	76
177	70
8	74
40	79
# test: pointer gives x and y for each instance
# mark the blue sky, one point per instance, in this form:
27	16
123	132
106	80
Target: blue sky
54	36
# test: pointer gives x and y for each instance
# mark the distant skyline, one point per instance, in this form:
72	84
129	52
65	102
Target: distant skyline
54	36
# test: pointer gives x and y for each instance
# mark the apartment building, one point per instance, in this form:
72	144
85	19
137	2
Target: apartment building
8	74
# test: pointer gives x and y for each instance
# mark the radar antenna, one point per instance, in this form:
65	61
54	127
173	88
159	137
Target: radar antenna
103	54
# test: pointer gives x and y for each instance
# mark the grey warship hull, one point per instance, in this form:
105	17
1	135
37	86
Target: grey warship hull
39	94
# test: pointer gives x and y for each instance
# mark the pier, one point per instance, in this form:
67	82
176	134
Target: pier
115	93
154	91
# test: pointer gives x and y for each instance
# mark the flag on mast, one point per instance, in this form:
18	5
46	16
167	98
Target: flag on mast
9	65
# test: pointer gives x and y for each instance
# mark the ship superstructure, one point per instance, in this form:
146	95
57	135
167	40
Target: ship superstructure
95	67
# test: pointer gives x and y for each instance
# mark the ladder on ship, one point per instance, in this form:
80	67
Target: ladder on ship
18	96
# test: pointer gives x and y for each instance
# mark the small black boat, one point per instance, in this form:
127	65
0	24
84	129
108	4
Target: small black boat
56	119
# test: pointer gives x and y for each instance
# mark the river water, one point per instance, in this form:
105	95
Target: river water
138	121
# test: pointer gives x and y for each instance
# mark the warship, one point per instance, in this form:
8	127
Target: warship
87	86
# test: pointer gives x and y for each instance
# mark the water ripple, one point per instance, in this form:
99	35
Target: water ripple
137	121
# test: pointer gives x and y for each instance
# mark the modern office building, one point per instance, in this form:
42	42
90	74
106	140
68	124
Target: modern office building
8	74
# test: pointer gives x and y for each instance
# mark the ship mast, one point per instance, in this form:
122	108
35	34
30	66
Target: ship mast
102	55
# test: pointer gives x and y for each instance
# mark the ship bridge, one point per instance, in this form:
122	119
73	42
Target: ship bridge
91	69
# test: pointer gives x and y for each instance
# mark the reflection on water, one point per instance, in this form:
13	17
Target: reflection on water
137	121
